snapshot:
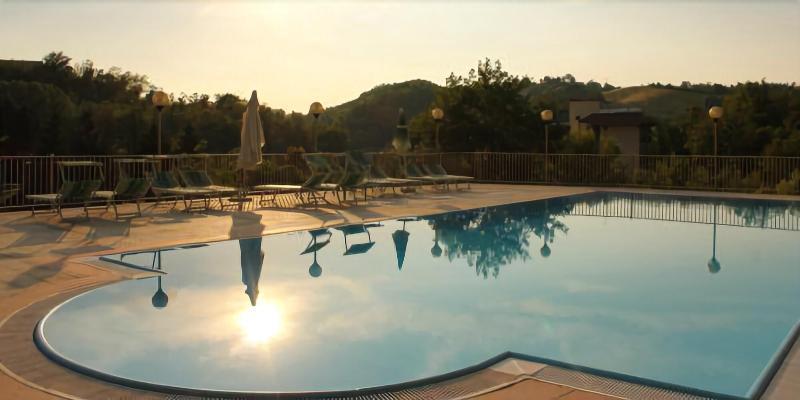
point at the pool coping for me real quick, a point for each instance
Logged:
(757, 389)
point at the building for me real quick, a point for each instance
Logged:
(623, 125)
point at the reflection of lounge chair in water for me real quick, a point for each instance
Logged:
(319, 239)
(358, 248)
(252, 259)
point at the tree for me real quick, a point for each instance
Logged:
(486, 111)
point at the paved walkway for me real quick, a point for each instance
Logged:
(40, 266)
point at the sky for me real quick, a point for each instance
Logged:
(295, 53)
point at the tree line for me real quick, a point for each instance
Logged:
(61, 107)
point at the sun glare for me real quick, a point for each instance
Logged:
(261, 323)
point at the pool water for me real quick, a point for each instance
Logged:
(688, 291)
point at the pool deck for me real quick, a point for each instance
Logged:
(41, 264)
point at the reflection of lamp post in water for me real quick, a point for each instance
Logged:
(315, 270)
(160, 298)
(545, 250)
(713, 263)
(436, 251)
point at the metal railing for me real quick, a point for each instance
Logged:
(745, 174)
(25, 175)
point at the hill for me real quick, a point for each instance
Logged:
(662, 103)
(371, 119)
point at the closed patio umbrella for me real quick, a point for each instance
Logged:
(252, 140)
(400, 141)
(252, 259)
(252, 136)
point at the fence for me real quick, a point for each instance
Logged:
(24, 175)
(745, 174)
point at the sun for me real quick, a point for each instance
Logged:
(261, 323)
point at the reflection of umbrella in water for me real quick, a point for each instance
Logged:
(315, 245)
(358, 248)
(251, 258)
(400, 238)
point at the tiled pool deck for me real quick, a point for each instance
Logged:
(41, 265)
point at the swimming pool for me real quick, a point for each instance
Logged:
(687, 291)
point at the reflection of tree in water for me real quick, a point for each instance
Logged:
(760, 213)
(492, 237)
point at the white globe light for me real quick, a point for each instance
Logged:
(316, 109)
(716, 112)
(437, 113)
(160, 99)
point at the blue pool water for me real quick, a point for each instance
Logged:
(687, 291)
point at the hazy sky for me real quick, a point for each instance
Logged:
(295, 53)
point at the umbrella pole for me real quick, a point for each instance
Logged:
(242, 184)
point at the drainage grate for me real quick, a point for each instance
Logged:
(613, 387)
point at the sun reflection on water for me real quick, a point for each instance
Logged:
(261, 323)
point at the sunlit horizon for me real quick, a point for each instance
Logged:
(297, 53)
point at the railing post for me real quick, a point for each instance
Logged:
(51, 169)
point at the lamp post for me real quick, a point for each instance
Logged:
(438, 115)
(160, 100)
(315, 109)
(547, 118)
(715, 113)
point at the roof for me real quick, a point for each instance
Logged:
(598, 98)
(615, 117)
(22, 65)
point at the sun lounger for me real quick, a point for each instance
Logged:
(412, 171)
(437, 171)
(72, 190)
(199, 179)
(376, 177)
(274, 190)
(129, 187)
(7, 190)
(166, 185)
(322, 174)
